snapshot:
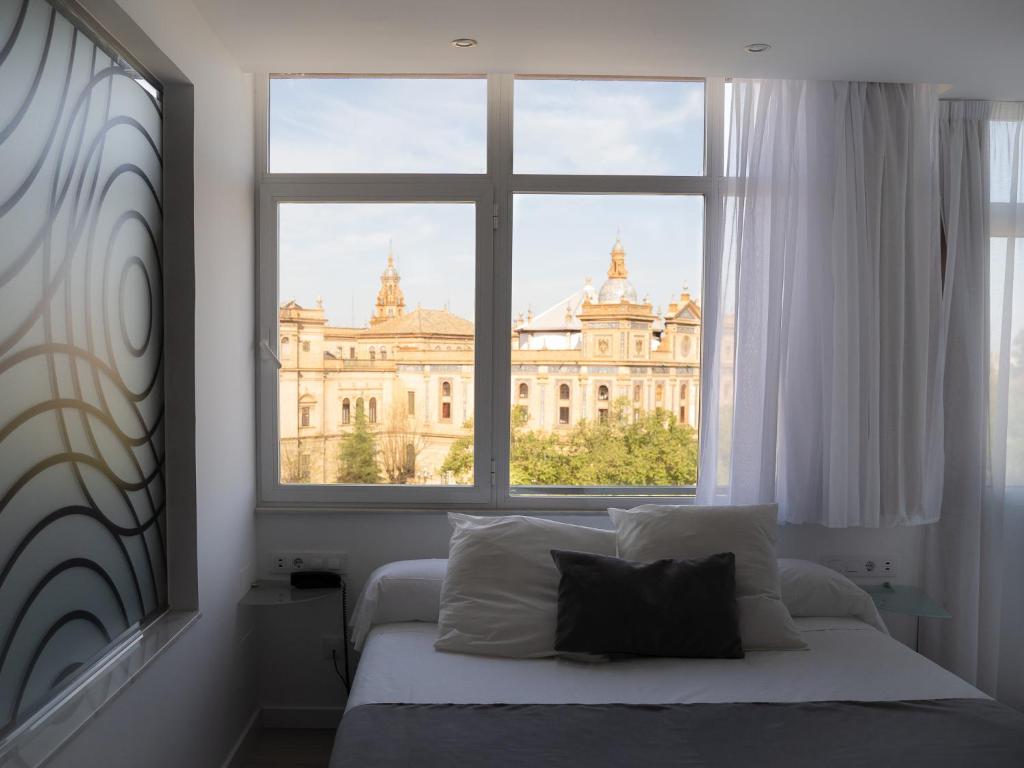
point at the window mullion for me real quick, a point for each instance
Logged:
(500, 94)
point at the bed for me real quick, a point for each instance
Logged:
(852, 696)
(856, 697)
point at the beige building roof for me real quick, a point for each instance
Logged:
(424, 321)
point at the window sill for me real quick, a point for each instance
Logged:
(534, 506)
(53, 726)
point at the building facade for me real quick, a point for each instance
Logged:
(410, 373)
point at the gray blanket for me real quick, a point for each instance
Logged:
(933, 734)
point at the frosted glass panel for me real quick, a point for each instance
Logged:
(81, 399)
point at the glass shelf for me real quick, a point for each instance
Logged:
(269, 592)
(905, 599)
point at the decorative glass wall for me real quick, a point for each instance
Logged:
(82, 524)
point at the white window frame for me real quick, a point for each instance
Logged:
(492, 192)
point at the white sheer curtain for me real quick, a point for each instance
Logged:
(823, 319)
(973, 556)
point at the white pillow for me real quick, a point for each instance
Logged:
(406, 590)
(811, 589)
(500, 597)
(653, 532)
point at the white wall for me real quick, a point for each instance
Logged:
(291, 670)
(191, 704)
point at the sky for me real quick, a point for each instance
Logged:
(337, 251)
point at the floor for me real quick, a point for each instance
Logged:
(289, 748)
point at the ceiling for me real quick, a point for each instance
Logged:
(975, 46)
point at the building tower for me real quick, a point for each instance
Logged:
(390, 301)
(617, 287)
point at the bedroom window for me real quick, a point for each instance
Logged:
(439, 235)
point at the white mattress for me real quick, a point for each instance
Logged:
(848, 660)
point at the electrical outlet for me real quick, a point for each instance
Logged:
(289, 562)
(331, 644)
(862, 566)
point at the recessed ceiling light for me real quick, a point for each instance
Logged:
(463, 42)
(757, 48)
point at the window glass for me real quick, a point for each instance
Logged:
(1002, 145)
(377, 125)
(638, 127)
(604, 287)
(354, 280)
(1006, 341)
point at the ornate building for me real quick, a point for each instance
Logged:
(411, 373)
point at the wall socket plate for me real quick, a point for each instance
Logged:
(863, 566)
(289, 562)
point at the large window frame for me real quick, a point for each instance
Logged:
(493, 193)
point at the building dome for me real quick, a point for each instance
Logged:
(617, 287)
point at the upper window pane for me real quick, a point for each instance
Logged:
(639, 127)
(378, 125)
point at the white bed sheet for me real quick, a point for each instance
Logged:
(848, 660)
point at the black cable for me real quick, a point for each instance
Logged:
(334, 660)
(344, 629)
(344, 640)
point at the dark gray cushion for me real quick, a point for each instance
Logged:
(681, 608)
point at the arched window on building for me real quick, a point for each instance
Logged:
(373, 410)
(686, 346)
(602, 392)
(346, 411)
(305, 346)
(446, 401)
(683, 391)
(638, 393)
(410, 459)
(304, 416)
(351, 353)
(524, 390)
(373, 353)
(563, 392)
(383, 354)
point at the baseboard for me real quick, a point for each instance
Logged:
(245, 738)
(301, 717)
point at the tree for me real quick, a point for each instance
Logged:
(650, 449)
(459, 460)
(399, 444)
(294, 465)
(358, 454)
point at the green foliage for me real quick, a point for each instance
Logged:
(459, 460)
(358, 453)
(648, 449)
